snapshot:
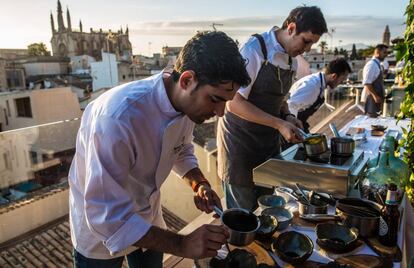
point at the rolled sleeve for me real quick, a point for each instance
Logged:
(109, 209)
(186, 160)
(129, 233)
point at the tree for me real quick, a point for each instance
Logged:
(354, 54)
(366, 52)
(38, 49)
(343, 52)
(336, 51)
(404, 51)
(324, 46)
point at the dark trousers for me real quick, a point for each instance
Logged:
(135, 259)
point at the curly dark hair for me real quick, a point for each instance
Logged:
(338, 66)
(307, 19)
(215, 59)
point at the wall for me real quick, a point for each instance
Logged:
(55, 104)
(177, 196)
(42, 68)
(15, 164)
(104, 73)
(31, 215)
(3, 80)
(48, 105)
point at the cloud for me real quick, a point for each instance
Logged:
(348, 29)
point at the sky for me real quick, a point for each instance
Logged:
(156, 23)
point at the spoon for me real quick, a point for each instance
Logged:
(303, 194)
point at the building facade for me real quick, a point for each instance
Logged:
(27, 108)
(67, 41)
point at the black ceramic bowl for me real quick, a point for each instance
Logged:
(284, 216)
(268, 226)
(271, 201)
(378, 127)
(336, 238)
(241, 258)
(293, 247)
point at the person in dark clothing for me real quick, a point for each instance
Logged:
(307, 94)
(373, 81)
(250, 130)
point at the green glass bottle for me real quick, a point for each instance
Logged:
(377, 178)
(397, 164)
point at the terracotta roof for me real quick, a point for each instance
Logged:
(50, 245)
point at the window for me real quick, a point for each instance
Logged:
(23, 107)
(14, 78)
(5, 117)
(8, 108)
(7, 163)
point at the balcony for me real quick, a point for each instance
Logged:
(34, 164)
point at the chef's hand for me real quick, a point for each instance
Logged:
(290, 132)
(206, 198)
(204, 241)
(294, 121)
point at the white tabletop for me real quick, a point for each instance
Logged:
(319, 255)
(372, 143)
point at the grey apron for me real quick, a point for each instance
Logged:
(372, 108)
(243, 145)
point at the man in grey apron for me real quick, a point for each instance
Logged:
(307, 94)
(249, 132)
(373, 82)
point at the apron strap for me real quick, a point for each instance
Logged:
(321, 89)
(262, 45)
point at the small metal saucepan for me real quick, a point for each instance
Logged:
(342, 146)
(310, 205)
(315, 207)
(242, 225)
(315, 144)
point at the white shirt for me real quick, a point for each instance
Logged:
(252, 52)
(129, 140)
(370, 72)
(305, 92)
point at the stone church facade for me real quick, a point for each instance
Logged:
(67, 42)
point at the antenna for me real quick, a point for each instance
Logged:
(216, 24)
(331, 33)
(149, 48)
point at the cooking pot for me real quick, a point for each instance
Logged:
(241, 224)
(342, 146)
(315, 207)
(361, 214)
(315, 144)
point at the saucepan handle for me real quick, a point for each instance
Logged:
(218, 211)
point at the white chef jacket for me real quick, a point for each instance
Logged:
(252, 52)
(129, 140)
(305, 92)
(369, 74)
